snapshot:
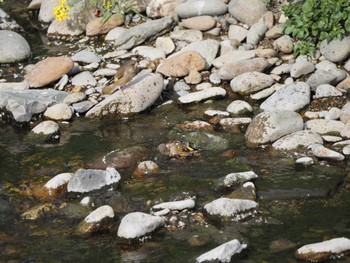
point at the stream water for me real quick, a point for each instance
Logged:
(298, 205)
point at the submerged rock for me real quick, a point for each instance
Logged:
(325, 250)
(175, 205)
(222, 253)
(137, 224)
(207, 141)
(146, 168)
(98, 220)
(234, 179)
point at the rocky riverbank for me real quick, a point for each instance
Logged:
(184, 54)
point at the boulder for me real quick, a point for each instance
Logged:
(270, 126)
(247, 11)
(13, 47)
(250, 82)
(336, 50)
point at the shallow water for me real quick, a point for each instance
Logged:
(297, 205)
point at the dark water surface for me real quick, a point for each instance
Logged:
(298, 205)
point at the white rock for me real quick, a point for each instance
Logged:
(322, 152)
(105, 72)
(222, 253)
(345, 131)
(330, 138)
(305, 161)
(229, 122)
(324, 250)
(99, 214)
(74, 98)
(326, 90)
(58, 181)
(311, 115)
(324, 126)
(59, 111)
(137, 224)
(202, 95)
(301, 68)
(250, 82)
(187, 35)
(235, 208)
(86, 201)
(333, 114)
(166, 44)
(256, 33)
(234, 179)
(149, 52)
(296, 140)
(176, 205)
(212, 113)
(282, 69)
(46, 128)
(239, 107)
(326, 65)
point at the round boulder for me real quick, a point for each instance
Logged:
(13, 47)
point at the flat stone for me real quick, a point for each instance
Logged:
(13, 47)
(200, 8)
(282, 69)
(250, 82)
(74, 98)
(105, 72)
(322, 126)
(181, 64)
(322, 152)
(137, 224)
(247, 11)
(202, 23)
(86, 180)
(14, 85)
(237, 32)
(327, 90)
(291, 97)
(222, 253)
(150, 53)
(270, 126)
(176, 205)
(297, 141)
(234, 122)
(202, 95)
(83, 106)
(266, 92)
(86, 56)
(336, 50)
(98, 220)
(232, 70)
(48, 71)
(305, 161)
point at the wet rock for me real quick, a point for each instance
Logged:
(324, 126)
(222, 253)
(256, 33)
(237, 32)
(187, 35)
(139, 94)
(207, 141)
(202, 23)
(239, 107)
(98, 26)
(181, 64)
(84, 78)
(166, 44)
(234, 123)
(195, 125)
(57, 185)
(322, 152)
(291, 97)
(297, 140)
(250, 82)
(98, 220)
(24, 104)
(48, 71)
(326, 90)
(336, 50)
(301, 68)
(46, 128)
(305, 161)
(13, 47)
(175, 205)
(124, 158)
(137, 224)
(270, 126)
(281, 245)
(325, 250)
(177, 149)
(86, 56)
(284, 44)
(201, 7)
(60, 111)
(232, 70)
(233, 56)
(202, 95)
(247, 191)
(74, 98)
(38, 211)
(86, 180)
(235, 179)
(320, 77)
(138, 34)
(162, 8)
(83, 106)
(248, 12)
(146, 168)
(46, 13)
(236, 209)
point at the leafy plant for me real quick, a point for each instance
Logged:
(312, 21)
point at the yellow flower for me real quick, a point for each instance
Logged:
(61, 11)
(107, 4)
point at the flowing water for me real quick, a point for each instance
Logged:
(298, 205)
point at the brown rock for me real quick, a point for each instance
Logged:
(181, 65)
(49, 70)
(98, 27)
(194, 77)
(202, 23)
(344, 85)
(145, 169)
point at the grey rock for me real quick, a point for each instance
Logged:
(86, 180)
(83, 106)
(305, 161)
(202, 23)
(320, 77)
(301, 68)
(297, 140)
(137, 224)
(336, 50)
(140, 33)
(84, 78)
(59, 111)
(237, 32)
(325, 65)
(74, 98)
(322, 126)
(270, 126)
(333, 114)
(235, 179)
(187, 35)
(46, 128)
(105, 72)
(232, 70)
(247, 11)
(256, 33)
(239, 107)
(282, 69)
(266, 92)
(284, 44)
(339, 73)
(46, 13)
(150, 53)
(139, 94)
(275, 32)
(215, 78)
(13, 47)
(345, 132)
(24, 104)
(202, 95)
(291, 97)
(207, 141)
(326, 90)
(181, 88)
(322, 152)
(115, 33)
(345, 113)
(250, 82)
(232, 57)
(86, 56)
(201, 7)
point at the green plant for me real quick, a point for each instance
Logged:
(312, 21)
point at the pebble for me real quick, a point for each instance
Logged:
(166, 44)
(84, 78)
(237, 32)
(284, 44)
(305, 161)
(202, 23)
(212, 113)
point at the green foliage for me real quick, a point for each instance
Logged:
(312, 21)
